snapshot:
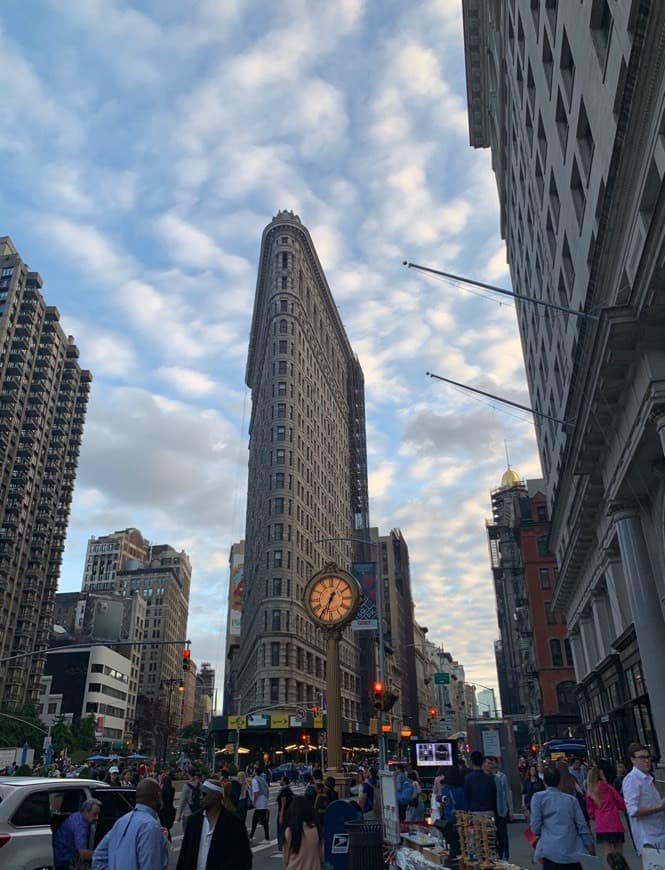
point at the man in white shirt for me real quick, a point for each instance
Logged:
(645, 807)
(260, 793)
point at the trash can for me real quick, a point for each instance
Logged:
(365, 845)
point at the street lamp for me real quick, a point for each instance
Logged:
(171, 685)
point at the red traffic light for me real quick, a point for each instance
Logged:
(304, 738)
(186, 659)
(377, 687)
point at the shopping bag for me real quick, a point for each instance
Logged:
(653, 859)
(530, 837)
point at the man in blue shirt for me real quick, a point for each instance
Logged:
(557, 820)
(479, 787)
(70, 841)
(136, 841)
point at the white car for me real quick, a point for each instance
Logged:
(32, 808)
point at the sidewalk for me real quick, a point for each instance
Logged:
(521, 852)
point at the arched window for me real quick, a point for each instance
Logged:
(283, 326)
(565, 696)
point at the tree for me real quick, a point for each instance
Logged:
(61, 735)
(14, 732)
(83, 733)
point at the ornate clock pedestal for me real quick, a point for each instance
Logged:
(332, 598)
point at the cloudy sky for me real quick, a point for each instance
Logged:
(145, 144)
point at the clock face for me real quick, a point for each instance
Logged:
(331, 599)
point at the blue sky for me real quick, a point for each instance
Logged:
(145, 145)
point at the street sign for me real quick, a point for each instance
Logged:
(301, 713)
(442, 679)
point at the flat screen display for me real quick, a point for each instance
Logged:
(439, 754)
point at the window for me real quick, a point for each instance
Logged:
(550, 617)
(274, 690)
(274, 654)
(279, 480)
(279, 457)
(543, 545)
(283, 306)
(567, 67)
(281, 410)
(568, 652)
(284, 283)
(52, 708)
(577, 192)
(561, 119)
(555, 652)
(277, 559)
(300, 658)
(548, 61)
(281, 433)
(281, 367)
(279, 505)
(565, 696)
(281, 388)
(545, 578)
(277, 586)
(276, 621)
(285, 260)
(283, 326)
(278, 532)
(34, 810)
(283, 346)
(600, 24)
(585, 143)
(555, 202)
(541, 513)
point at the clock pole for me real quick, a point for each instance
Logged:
(333, 690)
(332, 599)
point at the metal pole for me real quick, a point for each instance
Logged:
(383, 740)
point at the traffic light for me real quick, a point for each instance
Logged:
(315, 710)
(186, 659)
(433, 712)
(181, 686)
(389, 699)
(377, 694)
(304, 738)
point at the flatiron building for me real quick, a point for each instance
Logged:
(307, 486)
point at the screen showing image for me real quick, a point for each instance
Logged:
(434, 755)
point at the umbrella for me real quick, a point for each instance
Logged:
(97, 758)
(136, 755)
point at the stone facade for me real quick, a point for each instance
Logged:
(570, 97)
(307, 488)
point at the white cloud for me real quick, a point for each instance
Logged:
(186, 381)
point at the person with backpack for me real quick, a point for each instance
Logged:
(367, 792)
(404, 796)
(284, 798)
(260, 794)
(190, 799)
(311, 791)
(415, 811)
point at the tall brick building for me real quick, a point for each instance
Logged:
(534, 660)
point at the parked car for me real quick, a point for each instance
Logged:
(32, 808)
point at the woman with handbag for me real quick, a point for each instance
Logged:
(245, 799)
